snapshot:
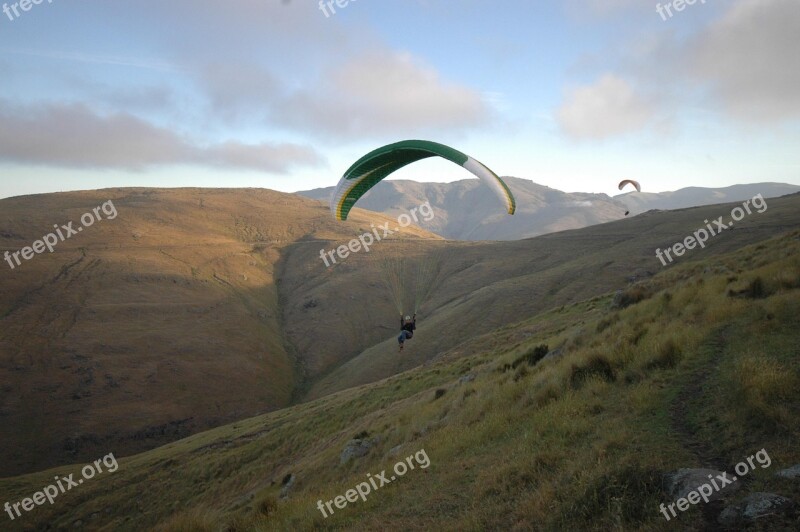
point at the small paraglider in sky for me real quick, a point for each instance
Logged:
(626, 182)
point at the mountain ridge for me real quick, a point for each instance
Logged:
(463, 211)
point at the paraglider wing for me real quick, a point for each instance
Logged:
(376, 165)
(626, 182)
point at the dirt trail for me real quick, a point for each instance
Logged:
(691, 398)
(692, 395)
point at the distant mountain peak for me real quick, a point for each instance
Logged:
(465, 212)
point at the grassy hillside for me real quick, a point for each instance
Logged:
(696, 366)
(150, 326)
(487, 285)
(192, 308)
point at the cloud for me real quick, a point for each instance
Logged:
(240, 91)
(72, 136)
(98, 59)
(274, 158)
(604, 109)
(145, 98)
(749, 60)
(741, 65)
(383, 93)
(606, 6)
(269, 67)
(373, 94)
(593, 10)
(294, 34)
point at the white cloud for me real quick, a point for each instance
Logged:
(273, 158)
(749, 59)
(382, 93)
(742, 65)
(72, 136)
(377, 93)
(604, 109)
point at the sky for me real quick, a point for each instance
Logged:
(286, 94)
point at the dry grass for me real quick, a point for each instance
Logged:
(191, 521)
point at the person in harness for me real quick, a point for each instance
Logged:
(407, 327)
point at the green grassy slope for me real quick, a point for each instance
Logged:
(700, 369)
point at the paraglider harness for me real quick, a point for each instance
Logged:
(406, 329)
(408, 326)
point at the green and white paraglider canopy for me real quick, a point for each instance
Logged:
(378, 164)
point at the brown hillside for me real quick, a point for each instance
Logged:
(154, 325)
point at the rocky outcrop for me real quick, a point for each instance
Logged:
(754, 507)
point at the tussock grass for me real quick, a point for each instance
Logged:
(632, 295)
(763, 386)
(597, 366)
(532, 356)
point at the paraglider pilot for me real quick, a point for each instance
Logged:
(407, 327)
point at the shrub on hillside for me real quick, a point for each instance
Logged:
(546, 394)
(667, 356)
(754, 290)
(605, 323)
(596, 366)
(532, 356)
(521, 373)
(757, 288)
(631, 296)
(267, 506)
(626, 495)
